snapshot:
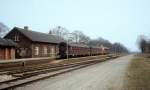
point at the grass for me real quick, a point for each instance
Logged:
(138, 74)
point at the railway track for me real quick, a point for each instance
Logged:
(14, 70)
(10, 85)
(28, 76)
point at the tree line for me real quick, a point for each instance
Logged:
(79, 37)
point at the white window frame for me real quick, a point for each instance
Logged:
(16, 37)
(36, 50)
(45, 50)
(52, 51)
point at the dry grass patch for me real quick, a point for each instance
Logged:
(138, 74)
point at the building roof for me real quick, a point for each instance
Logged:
(7, 42)
(40, 37)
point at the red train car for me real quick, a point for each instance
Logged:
(76, 50)
(104, 50)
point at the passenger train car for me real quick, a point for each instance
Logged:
(77, 50)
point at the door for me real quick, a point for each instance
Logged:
(9, 53)
(2, 54)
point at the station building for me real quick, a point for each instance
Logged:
(32, 44)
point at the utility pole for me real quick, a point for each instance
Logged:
(68, 45)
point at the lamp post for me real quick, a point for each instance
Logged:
(115, 50)
(68, 44)
(67, 48)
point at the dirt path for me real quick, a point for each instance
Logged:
(107, 75)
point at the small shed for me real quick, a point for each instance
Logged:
(7, 49)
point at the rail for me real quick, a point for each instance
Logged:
(23, 77)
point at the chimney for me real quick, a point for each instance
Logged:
(26, 28)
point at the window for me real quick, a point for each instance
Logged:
(23, 52)
(16, 37)
(45, 50)
(36, 50)
(52, 51)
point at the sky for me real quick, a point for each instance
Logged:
(116, 20)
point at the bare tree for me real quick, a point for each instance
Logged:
(143, 43)
(80, 37)
(59, 31)
(76, 35)
(3, 30)
(118, 48)
(100, 41)
(113, 48)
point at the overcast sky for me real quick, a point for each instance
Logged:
(115, 20)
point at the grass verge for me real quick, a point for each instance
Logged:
(138, 74)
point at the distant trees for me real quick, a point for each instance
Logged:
(3, 29)
(100, 41)
(74, 37)
(113, 48)
(143, 44)
(118, 48)
(79, 37)
(59, 31)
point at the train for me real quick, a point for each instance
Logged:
(78, 50)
